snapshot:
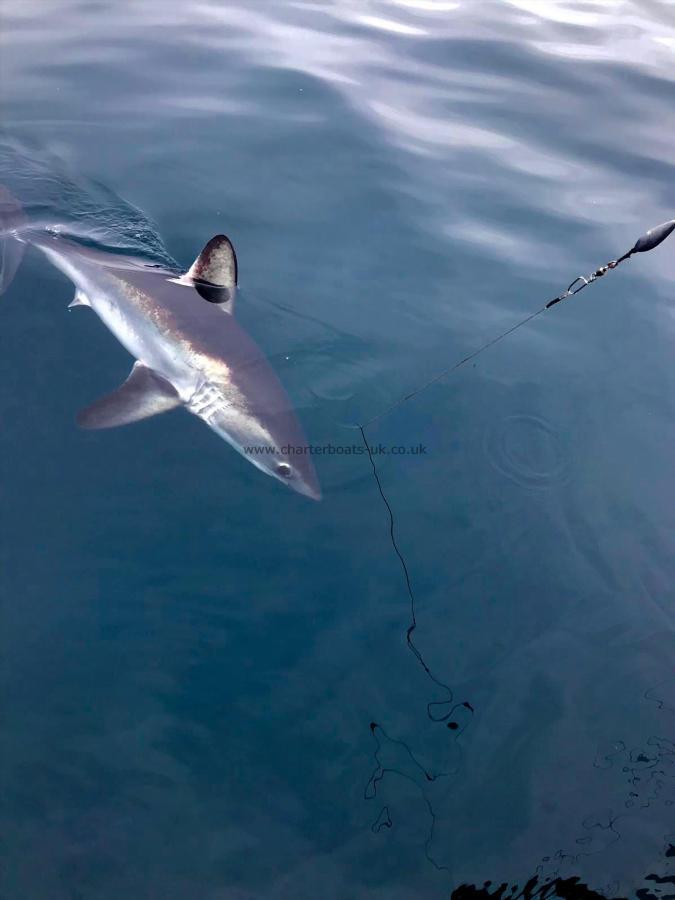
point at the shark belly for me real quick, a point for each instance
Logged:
(145, 342)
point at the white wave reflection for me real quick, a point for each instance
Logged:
(409, 88)
(426, 130)
(564, 12)
(483, 97)
(435, 6)
(504, 243)
(464, 97)
(391, 25)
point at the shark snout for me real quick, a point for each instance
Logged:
(310, 488)
(281, 452)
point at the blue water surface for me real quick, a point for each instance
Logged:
(206, 686)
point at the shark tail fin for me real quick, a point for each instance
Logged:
(12, 219)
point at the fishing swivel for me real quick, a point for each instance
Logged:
(647, 242)
(581, 282)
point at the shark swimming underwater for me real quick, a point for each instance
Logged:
(189, 350)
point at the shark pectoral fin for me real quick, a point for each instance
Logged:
(80, 299)
(143, 394)
(214, 272)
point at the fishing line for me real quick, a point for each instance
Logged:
(384, 819)
(408, 583)
(648, 241)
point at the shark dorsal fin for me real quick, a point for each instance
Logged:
(143, 394)
(216, 264)
(214, 272)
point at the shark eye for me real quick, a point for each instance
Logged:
(284, 470)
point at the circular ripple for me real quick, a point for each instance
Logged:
(332, 391)
(528, 450)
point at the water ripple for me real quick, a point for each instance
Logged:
(528, 450)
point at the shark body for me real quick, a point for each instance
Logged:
(188, 349)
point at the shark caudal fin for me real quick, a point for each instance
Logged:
(12, 219)
(214, 272)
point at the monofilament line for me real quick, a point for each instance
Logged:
(648, 241)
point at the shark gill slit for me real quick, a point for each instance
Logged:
(205, 401)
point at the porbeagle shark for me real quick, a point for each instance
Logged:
(188, 348)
